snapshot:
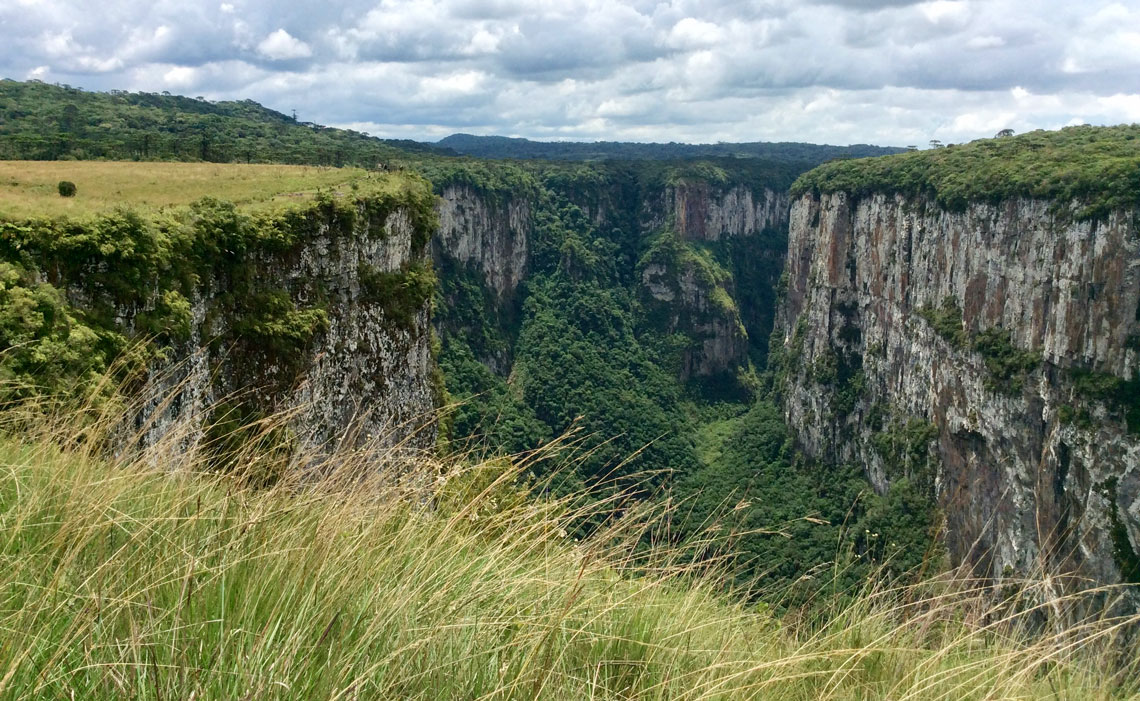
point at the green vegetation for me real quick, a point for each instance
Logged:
(139, 268)
(1119, 394)
(28, 189)
(946, 321)
(403, 293)
(140, 578)
(1097, 167)
(52, 122)
(506, 147)
(66, 188)
(1006, 364)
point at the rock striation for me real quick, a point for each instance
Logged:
(489, 232)
(1011, 330)
(367, 375)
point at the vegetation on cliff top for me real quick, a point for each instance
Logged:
(136, 269)
(29, 189)
(1099, 167)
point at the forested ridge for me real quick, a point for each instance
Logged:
(39, 121)
(789, 152)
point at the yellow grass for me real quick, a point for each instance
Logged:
(29, 188)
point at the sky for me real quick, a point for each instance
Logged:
(889, 72)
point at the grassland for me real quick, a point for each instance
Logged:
(147, 578)
(29, 188)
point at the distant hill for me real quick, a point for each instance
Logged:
(506, 147)
(39, 121)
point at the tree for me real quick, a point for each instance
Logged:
(1004, 133)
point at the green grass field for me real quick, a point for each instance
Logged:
(151, 579)
(29, 188)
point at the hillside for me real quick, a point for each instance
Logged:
(786, 152)
(51, 122)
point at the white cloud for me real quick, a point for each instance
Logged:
(838, 71)
(180, 77)
(692, 33)
(988, 41)
(281, 46)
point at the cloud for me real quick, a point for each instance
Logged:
(840, 71)
(282, 46)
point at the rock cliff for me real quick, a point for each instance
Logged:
(486, 231)
(1005, 338)
(364, 374)
(684, 289)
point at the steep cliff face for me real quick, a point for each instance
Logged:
(1001, 338)
(486, 231)
(685, 290)
(365, 374)
(703, 212)
(691, 292)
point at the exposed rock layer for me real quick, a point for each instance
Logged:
(365, 377)
(1023, 486)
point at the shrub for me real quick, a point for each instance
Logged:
(66, 188)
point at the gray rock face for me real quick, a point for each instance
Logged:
(493, 236)
(702, 309)
(1023, 486)
(700, 211)
(367, 377)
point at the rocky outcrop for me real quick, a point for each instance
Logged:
(703, 212)
(681, 295)
(689, 291)
(1011, 329)
(488, 232)
(365, 376)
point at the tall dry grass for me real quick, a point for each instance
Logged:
(139, 572)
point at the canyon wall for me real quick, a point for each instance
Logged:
(1005, 340)
(490, 233)
(365, 373)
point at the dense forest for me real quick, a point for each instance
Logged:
(39, 121)
(790, 152)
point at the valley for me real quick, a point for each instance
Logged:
(824, 371)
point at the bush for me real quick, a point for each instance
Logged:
(66, 188)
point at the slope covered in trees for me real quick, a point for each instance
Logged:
(51, 122)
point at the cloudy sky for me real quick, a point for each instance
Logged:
(890, 72)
